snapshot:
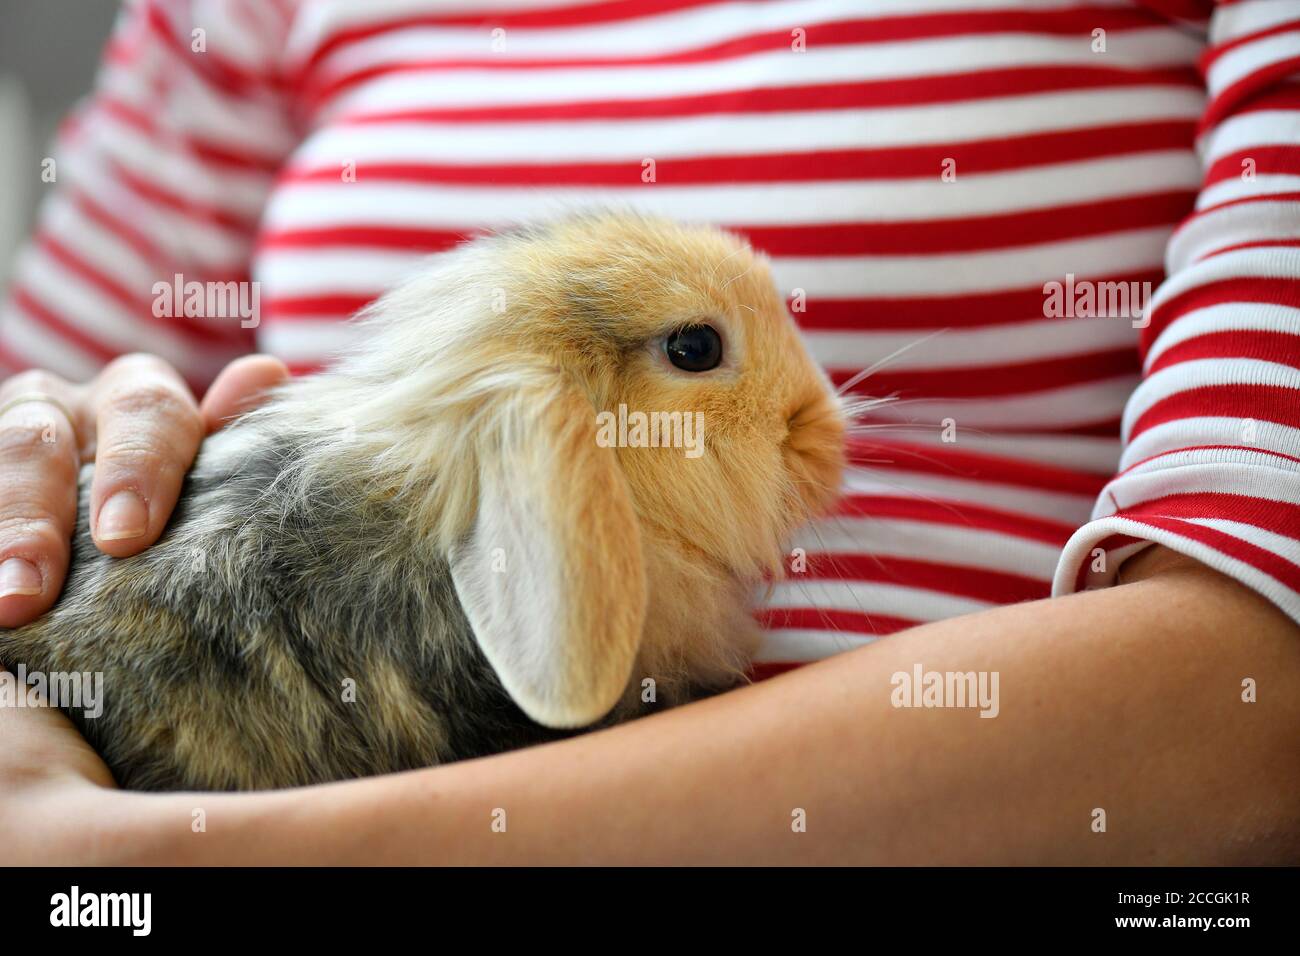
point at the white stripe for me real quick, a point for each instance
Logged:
(892, 600)
(972, 272)
(820, 64)
(1080, 546)
(1269, 541)
(793, 644)
(1242, 61)
(183, 238)
(701, 26)
(1239, 264)
(955, 543)
(44, 348)
(1233, 225)
(1186, 432)
(1062, 506)
(969, 348)
(1254, 479)
(167, 165)
(1086, 453)
(359, 271)
(301, 205)
(196, 108)
(1226, 317)
(1226, 458)
(1200, 373)
(305, 341)
(880, 128)
(1247, 130)
(1073, 405)
(1230, 21)
(1262, 186)
(100, 248)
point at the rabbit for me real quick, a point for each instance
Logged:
(424, 553)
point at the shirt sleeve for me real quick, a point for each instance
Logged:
(1211, 463)
(160, 176)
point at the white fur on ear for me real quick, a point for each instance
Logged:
(551, 577)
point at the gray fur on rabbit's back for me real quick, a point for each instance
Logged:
(270, 639)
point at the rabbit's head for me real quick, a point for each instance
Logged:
(570, 407)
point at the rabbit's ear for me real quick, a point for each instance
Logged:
(551, 576)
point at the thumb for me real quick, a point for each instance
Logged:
(241, 386)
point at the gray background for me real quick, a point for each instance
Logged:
(48, 53)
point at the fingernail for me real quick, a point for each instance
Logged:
(123, 516)
(19, 577)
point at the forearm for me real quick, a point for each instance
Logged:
(1127, 699)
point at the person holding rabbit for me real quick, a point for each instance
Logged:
(1101, 507)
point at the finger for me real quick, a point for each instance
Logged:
(241, 386)
(39, 461)
(149, 429)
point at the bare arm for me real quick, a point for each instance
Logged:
(1127, 699)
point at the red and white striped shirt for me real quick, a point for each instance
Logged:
(920, 172)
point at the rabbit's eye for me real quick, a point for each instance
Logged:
(694, 348)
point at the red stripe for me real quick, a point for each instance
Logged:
(1213, 53)
(1275, 159)
(1282, 348)
(973, 466)
(1263, 289)
(138, 306)
(981, 584)
(831, 619)
(1244, 201)
(1195, 11)
(1270, 514)
(1175, 451)
(196, 147)
(1261, 244)
(911, 162)
(12, 362)
(1285, 95)
(366, 236)
(957, 514)
(928, 313)
(60, 326)
(1223, 105)
(1104, 428)
(1110, 543)
(766, 670)
(989, 381)
(829, 239)
(1069, 21)
(340, 305)
(816, 35)
(1269, 403)
(947, 88)
(850, 239)
(141, 244)
(1274, 565)
(854, 315)
(190, 208)
(218, 71)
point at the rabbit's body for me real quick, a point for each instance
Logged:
(427, 553)
(271, 639)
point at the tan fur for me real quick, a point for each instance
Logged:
(773, 427)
